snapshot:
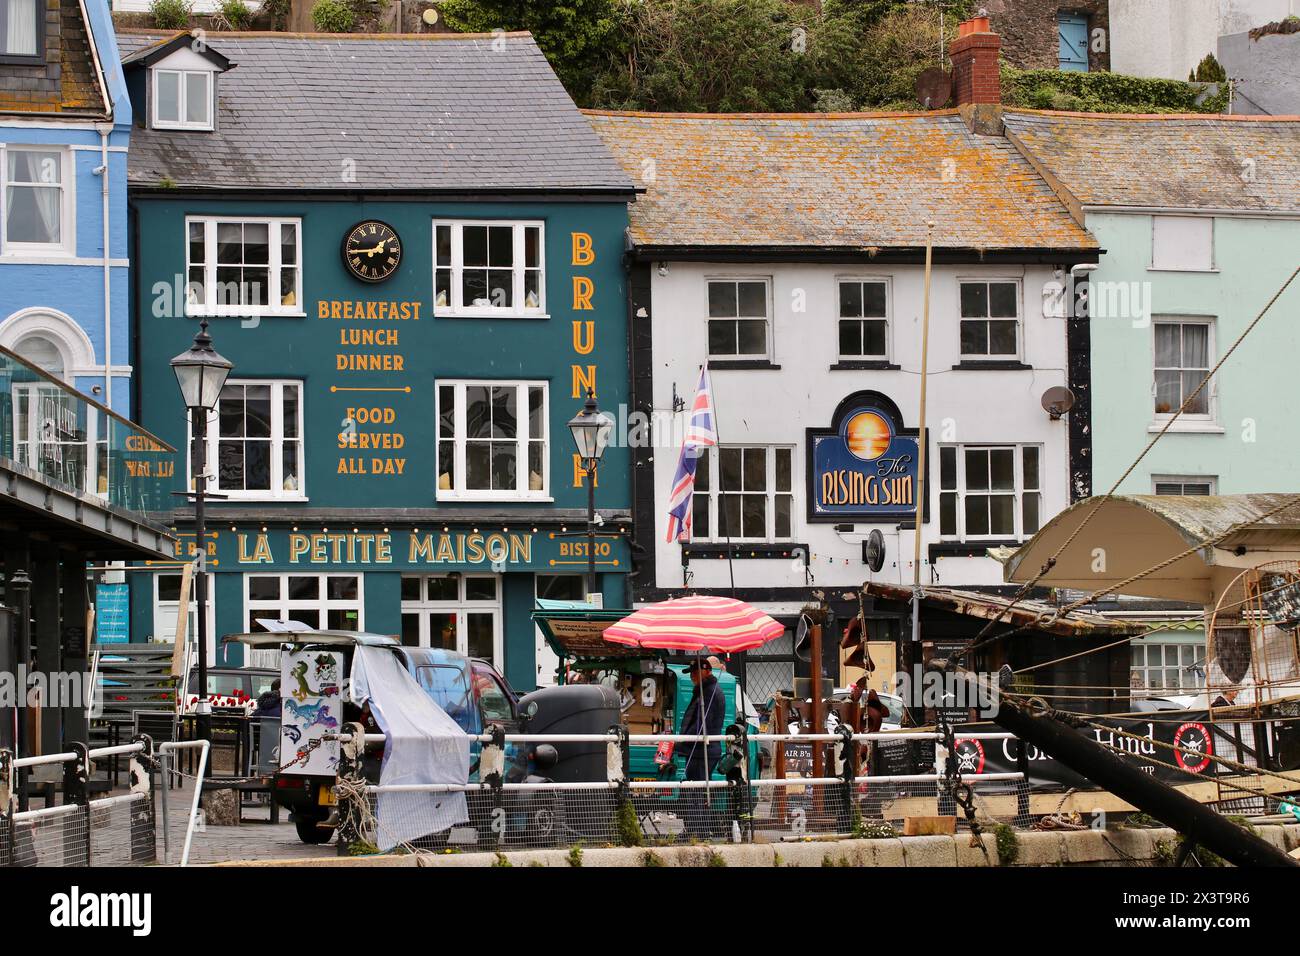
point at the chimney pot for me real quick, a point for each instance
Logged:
(974, 54)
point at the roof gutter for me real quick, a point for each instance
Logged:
(1033, 255)
(1220, 211)
(483, 194)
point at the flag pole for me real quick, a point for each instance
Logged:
(921, 490)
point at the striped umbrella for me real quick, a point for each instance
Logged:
(696, 624)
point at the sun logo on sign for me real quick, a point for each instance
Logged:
(868, 435)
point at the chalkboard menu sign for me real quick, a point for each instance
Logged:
(901, 759)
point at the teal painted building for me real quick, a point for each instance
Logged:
(1199, 218)
(413, 257)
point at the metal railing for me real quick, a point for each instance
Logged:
(71, 440)
(737, 803)
(80, 831)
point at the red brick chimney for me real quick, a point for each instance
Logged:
(975, 77)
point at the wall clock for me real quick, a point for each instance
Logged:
(372, 251)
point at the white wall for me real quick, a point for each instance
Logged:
(1162, 38)
(776, 406)
(1167, 38)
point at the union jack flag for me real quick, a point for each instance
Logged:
(701, 432)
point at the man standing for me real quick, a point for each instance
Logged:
(704, 715)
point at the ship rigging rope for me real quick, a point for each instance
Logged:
(976, 642)
(982, 638)
(1173, 766)
(1171, 625)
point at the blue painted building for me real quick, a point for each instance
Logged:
(65, 122)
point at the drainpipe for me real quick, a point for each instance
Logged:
(102, 172)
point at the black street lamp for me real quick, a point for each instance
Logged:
(201, 373)
(591, 429)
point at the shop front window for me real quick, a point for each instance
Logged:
(455, 612)
(320, 601)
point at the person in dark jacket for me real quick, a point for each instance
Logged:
(705, 714)
(268, 704)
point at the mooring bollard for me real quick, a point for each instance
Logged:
(8, 807)
(139, 772)
(491, 771)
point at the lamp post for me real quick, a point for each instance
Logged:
(201, 373)
(591, 429)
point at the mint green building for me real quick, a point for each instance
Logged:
(1199, 220)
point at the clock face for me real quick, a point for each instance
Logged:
(372, 251)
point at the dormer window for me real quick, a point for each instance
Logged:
(20, 28)
(181, 81)
(182, 99)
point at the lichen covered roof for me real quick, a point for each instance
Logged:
(1250, 163)
(858, 181)
(353, 112)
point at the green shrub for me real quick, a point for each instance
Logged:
(333, 16)
(236, 13)
(1209, 70)
(629, 827)
(716, 859)
(1008, 844)
(651, 858)
(170, 14)
(575, 856)
(502, 860)
(1106, 92)
(278, 11)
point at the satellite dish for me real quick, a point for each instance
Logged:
(430, 16)
(933, 88)
(873, 550)
(1057, 400)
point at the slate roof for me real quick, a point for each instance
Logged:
(1168, 161)
(428, 112)
(834, 181)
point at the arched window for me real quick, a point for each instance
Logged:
(51, 341)
(41, 351)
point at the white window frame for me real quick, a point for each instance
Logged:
(962, 491)
(458, 309)
(1188, 681)
(1211, 415)
(1211, 481)
(67, 244)
(284, 606)
(276, 491)
(165, 614)
(37, 57)
(458, 491)
(888, 318)
(462, 607)
(1019, 352)
(545, 660)
(714, 493)
(1210, 267)
(184, 78)
(768, 319)
(209, 306)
